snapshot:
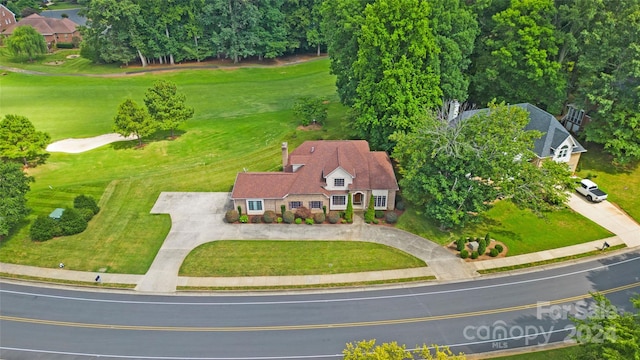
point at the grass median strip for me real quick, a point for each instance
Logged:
(278, 258)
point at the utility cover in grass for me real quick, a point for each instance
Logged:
(56, 214)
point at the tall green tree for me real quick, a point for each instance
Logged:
(454, 171)
(14, 186)
(608, 73)
(133, 119)
(609, 333)
(518, 60)
(26, 41)
(396, 69)
(167, 106)
(455, 28)
(20, 141)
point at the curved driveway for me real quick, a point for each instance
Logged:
(197, 218)
(484, 315)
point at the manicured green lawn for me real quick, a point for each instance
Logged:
(621, 183)
(241, 118)
(264, 258)
(521, 230)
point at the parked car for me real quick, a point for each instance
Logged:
(590, 190)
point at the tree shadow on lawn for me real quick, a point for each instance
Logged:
(597, 159)
(155, 137)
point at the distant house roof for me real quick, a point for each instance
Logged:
(45, 26)
(313, 161)
(73, 14)
(553, 133)
(56, 214)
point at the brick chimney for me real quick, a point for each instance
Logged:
(285, 155)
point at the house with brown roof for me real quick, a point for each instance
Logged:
(54, 30)
(320, 173)
(7, 18)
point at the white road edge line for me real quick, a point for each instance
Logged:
(321, 300)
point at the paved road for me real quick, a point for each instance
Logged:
(62, 324)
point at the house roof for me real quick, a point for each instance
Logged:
(45, 26)
(369, 169)
(553, 133)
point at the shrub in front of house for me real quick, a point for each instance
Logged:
(400, 205)
(464, 253)
(71, 222)
(379, 214)
(283, 208)
(370, 214)
(303, 213)
(474, 255)
(319, 218)
(255, 219)
(391, 217)
(279, 220)
(494, 252)
(231, 216)
(298, 221)
(324, 210)
(44, 228)
(499, 248)
(334, 217)
(376, 221)
(244, 219)
(86, 202)
(309, 221)
(288, 217)
(269, 216)
(239, 210)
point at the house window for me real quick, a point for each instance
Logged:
(380, 201)
(338, 182)
(563, 152)
(339, 200)
(315, 204)
(255, 206)
(295, 204)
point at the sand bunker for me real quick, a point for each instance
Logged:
(75, 146)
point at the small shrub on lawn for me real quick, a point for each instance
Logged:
(309, 221)
(71, 222)
(87, 214)
(464, 253)
(391, 217)
(86, 202)
(460, 243)
(279, 220)
(303, 212)
(494, 252)
(319, 218)
(298, 221)
(379, 214)
(255, 219)
(288, 217)
(400, 205)
(231, 216)
(44, 228)
(499, 248)
(474, 255)
(482, 248)
(244, 219)
(334, 217)
(269, 216)
(283, 208)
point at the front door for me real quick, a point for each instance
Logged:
(357, 199)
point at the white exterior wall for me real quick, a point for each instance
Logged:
(338, 173)
(569, 144)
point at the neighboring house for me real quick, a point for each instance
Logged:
(7, 18)
(320, 173)
(556, 142)
(54, 30)
(575, 119)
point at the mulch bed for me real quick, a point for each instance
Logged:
(452, 248)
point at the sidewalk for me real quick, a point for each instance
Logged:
(192, 216)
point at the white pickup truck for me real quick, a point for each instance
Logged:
(590, 190)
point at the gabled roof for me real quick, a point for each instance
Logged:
(369, 169)
(45, 26)
(553, 133)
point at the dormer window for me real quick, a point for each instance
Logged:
(563, 152)
(338, 182)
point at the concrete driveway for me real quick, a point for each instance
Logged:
(609, 217)
(197, 218)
